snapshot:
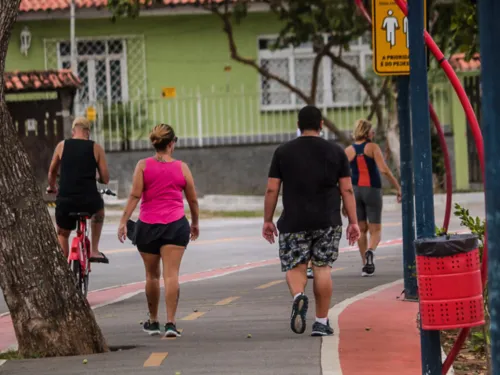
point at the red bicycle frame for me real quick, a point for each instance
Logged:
(80, 247)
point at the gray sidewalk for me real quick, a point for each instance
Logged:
(235, 203)
(218, 342)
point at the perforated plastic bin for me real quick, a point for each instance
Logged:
(449, 282)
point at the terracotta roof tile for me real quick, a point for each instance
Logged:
(459, 63)
(45, 5)
(45, 80)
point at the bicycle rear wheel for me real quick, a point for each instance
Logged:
(82, 281)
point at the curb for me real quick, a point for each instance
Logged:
(232, 203)
(330, 364)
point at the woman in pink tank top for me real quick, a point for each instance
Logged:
(162, 232)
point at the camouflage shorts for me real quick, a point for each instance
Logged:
(321, 246)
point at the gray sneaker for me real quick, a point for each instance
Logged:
(320, 329)
(299, 313)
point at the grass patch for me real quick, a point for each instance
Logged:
(472, 359)
(230, 214)
(10, 355)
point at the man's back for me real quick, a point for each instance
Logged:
(310, 168)
(78, 169)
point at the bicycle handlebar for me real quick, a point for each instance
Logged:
(107, 192)
(102, 191)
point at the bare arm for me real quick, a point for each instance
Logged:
(383, 168)
(271, 198)
(54, 166)
(135, 193)
(190, 192)
(102, 166)
(349, 202)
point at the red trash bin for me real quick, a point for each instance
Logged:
(449, 282)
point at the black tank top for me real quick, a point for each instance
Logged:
(78, 170)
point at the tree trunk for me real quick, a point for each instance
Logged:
(50, 316)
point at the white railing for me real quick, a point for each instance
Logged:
(217, 119)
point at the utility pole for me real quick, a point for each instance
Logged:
(489, 32)
(422, 162)
(74, 67)
(407, 206)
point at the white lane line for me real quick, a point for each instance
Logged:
(330, 356)
(2, 361)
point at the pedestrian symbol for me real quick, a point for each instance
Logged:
(390, 36)
(390, 25)
(405, 30)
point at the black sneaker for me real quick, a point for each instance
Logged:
(320, 329)
(151, 328)
(299, 313)
(369, 268)
(171, 330)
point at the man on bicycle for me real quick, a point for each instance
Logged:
(79, 158)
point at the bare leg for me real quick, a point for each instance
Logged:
(323, 287)
(363, 240)
(63, 237)
(153, 273)
(171, 256)
(297, 279)
(375, 235)
(96, 226)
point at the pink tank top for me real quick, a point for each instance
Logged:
(162, 201)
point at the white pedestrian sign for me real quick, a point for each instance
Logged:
(390, 26)
(405, 30)
(391, 39)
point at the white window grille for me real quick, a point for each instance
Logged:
(335, 86)
(111, 69)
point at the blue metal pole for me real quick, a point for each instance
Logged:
(422, 162)
(489, 31)
(407, 206)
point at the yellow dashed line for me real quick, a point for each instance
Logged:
(155, 359)
(194, 315)
(226, 301)
(270, 284)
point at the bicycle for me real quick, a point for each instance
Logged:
(79, 252)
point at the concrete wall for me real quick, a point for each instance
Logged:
(239, 170)
(218, 170)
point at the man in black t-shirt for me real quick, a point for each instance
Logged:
(315, 175)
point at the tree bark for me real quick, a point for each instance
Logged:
(50, 315)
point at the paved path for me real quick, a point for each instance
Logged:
(217, 314)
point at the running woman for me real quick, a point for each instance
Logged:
(162, 232)
(367, 163)
(315, 174)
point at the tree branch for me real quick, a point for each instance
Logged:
(361, 80)
(228, 29)
(379, 97)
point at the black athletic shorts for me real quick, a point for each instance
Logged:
(149, 238)
(66, 206)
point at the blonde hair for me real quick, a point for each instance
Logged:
(362, 130)
(82, 123)
(161, 136)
